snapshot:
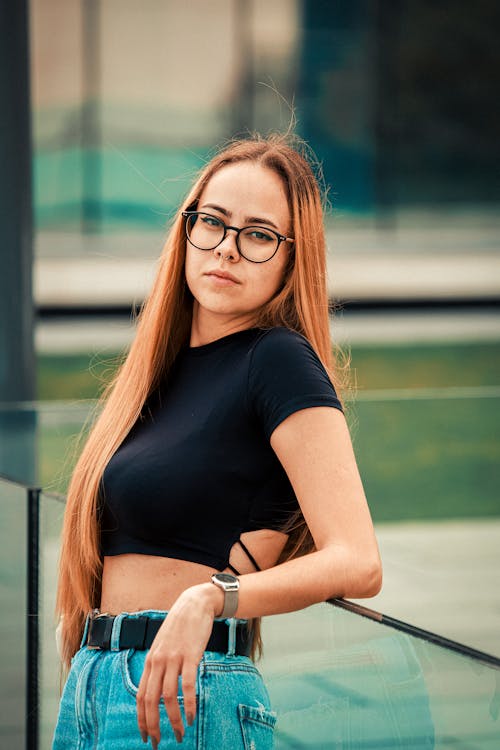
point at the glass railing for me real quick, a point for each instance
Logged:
(336, 678)
(428, 458)
(19, 442)
(339, 676)
(38, 441)
(13, 620)
(429, 452)
(423, 454)
(340, 680)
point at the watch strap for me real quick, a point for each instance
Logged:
(230, 590)
(230, 604)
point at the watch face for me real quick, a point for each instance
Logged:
(225, 577)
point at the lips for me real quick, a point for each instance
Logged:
(224, 276)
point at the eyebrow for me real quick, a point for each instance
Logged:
(249, 219)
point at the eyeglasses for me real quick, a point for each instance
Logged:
(255, 243)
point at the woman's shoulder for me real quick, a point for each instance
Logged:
(285, 355)
(280, 336)
(280, 344)
(286, 375)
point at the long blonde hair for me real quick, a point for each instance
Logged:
(163, 327)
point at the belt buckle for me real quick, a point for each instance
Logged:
(95, 614)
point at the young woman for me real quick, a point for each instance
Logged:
(220, 458)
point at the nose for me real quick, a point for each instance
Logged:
(228, 249)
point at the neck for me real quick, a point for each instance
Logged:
(210, 327)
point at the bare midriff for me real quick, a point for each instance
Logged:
(133, 582)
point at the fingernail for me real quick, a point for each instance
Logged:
(144, 736)
(178, 735)
(190, 719)
(154, 743)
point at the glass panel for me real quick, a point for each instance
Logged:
(335, 679)
(18, 442)
(59, 429)
(38, 441)
(436, 455)
(433, 468)
(13, 595)
(51, 516)
(338, 680)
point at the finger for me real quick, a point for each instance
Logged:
(152, 696)
(141, 705)
(189, 672)
(170, 694)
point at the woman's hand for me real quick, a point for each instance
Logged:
(177, 651)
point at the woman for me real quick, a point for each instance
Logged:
(222, 447)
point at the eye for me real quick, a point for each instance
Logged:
(210, 221)
(260, 235)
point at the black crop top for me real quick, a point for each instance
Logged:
(197, 469)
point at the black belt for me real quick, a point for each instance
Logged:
(139, 632)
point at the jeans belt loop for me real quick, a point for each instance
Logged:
(231, 636)
(114, 644)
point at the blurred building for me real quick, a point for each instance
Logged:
(398, 100)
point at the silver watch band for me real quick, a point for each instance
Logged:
(230, 604)
(229, 585)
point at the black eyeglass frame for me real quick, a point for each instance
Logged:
(280, 237)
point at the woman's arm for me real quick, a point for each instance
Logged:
(315, 449)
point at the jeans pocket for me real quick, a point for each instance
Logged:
(132, 667)
(257, 727)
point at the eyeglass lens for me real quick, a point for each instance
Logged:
(254, 243)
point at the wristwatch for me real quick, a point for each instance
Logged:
(230, 585)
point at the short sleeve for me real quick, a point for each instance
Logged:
(286, 375)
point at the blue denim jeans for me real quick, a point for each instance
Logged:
(98, 704)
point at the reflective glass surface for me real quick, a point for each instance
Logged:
(431, 479)
(60, 430)
(18, 442)
(435, 455)
(13, 595)
(334, 677)
(338, 680)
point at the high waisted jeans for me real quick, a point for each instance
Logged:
(98, 705)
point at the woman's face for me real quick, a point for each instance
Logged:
(240, 195)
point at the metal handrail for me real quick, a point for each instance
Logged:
(416, 632)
